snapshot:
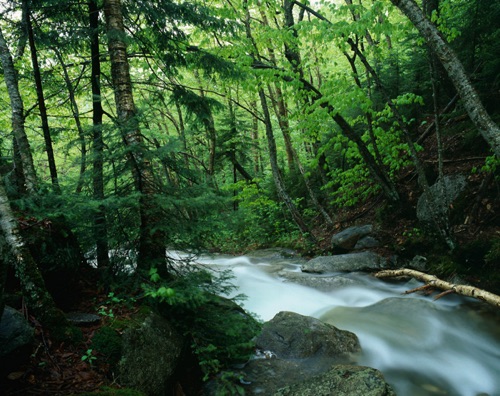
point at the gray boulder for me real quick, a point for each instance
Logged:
(16, 340)
(150, 355)
(347, 239)
(293, 336)
(362, 261)
(292, 348)
(441, 199)
(367, 242)
(341, 380)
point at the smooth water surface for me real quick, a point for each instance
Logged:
(423, 347)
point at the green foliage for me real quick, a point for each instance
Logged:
(89, 357)
(220, 331)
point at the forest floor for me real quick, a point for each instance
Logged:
(67, 368)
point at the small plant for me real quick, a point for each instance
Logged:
(105, 311)
(414, 232)
(89, 357)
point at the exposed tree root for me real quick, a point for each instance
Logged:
(432, 281)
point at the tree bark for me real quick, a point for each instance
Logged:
(76, 116)
(16, 103)
(41, 99)
(100, 227)
(278, 180)
(152, 240)
(456, 72)
(433, 281)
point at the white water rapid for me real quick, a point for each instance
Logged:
(423, 347)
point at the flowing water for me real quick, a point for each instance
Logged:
(423, 347)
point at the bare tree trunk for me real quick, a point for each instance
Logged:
(41, 99)
(76, 117)
(152, 240)
(456, 72)
(254, 135)
(278, 180)
(100, 227)
(295, 160)
(16, 102)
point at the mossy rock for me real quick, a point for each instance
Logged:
(108, 342)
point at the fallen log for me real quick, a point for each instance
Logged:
(434, 281)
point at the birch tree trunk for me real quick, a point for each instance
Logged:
(16, 103)
(456, 72)
(432, 281)
(26, 270)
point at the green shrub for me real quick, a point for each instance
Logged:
(220, 331)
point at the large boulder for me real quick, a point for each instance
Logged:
(291, 348)
(443, 195)
(341, 380)
(293, 336)
(16, 340)
(356, 237)
(362, 261)
(150, 355)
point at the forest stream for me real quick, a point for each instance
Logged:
(450, 346)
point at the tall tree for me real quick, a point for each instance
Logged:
(16, 103)
(100, 222)
(41, 97)
(152, 240)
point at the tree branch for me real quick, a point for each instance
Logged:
(433, 281)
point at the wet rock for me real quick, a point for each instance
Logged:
(290, 335)
(362, 261)
(16, 340)
(292, 348)
(341, 380)
(368, 242)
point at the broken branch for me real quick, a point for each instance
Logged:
(433, 281)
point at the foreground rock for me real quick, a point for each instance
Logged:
(341, 380)
(292, 336)
(150, 356)
(363, 261)
(300, 355)
(16, 340)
